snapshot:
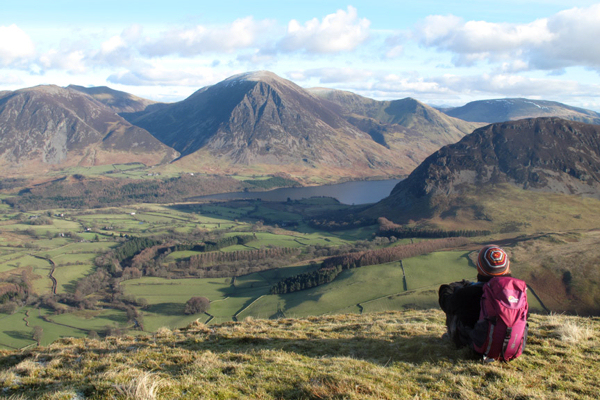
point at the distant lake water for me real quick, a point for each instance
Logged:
(361, 192)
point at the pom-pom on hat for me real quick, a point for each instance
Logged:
(493, 261)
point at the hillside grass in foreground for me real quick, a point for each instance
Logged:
(393, 355)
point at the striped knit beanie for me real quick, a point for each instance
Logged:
(493, 261)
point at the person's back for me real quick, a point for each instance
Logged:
(461, 301)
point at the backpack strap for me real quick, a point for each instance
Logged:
(506, 341)
(490, 336)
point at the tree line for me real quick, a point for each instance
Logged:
(233, 263)
(388, 229)
(331, 267)
(406, 232)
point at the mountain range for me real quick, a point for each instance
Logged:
(255, 122)
(259, 120)
(499, 110)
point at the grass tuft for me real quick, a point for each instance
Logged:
(570, 330)
(145, 386)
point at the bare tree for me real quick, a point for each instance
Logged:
(197, 305)
(38, 334)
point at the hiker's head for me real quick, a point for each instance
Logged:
(492, 261)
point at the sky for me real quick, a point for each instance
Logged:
(444, 53)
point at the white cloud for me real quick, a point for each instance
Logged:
(566, 39)
(395, 45)
(15, 46)
(118, 50)
(72, 61)
(473, 41)
(112, 44)
(243, 33)
(508, 85)
(575, 40)
(332, 75)
(160, 76)
(263, 57)
(10, 80)
(342, 31)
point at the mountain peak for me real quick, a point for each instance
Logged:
(254, 76)
(262, 76)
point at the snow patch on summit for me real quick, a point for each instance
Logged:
(253, 76)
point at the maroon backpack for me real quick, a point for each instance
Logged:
(501, 332)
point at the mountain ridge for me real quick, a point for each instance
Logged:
(251, 123)
(118, 101)
(47, 126)
(500, 110)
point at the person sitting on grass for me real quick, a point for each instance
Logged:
(461, 301)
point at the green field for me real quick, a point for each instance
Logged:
(166, 297)
(91, 320)
(74, 241)
(348, 291)
(367, 289)
(17, 334)
(384, 291)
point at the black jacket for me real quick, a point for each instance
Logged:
(461, 301)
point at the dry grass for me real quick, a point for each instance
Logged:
(571, 329)
(393, 355)
(145, 386)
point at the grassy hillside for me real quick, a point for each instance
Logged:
(392, 355)
(502, 208)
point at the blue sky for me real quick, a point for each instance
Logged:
(439, 52)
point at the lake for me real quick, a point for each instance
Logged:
(360, 192)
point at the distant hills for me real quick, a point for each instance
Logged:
(405, 126)
(119, 102)
(549, 155)
(46, 127)
(499, 110)
(254, 123)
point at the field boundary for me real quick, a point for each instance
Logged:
(234, 317)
